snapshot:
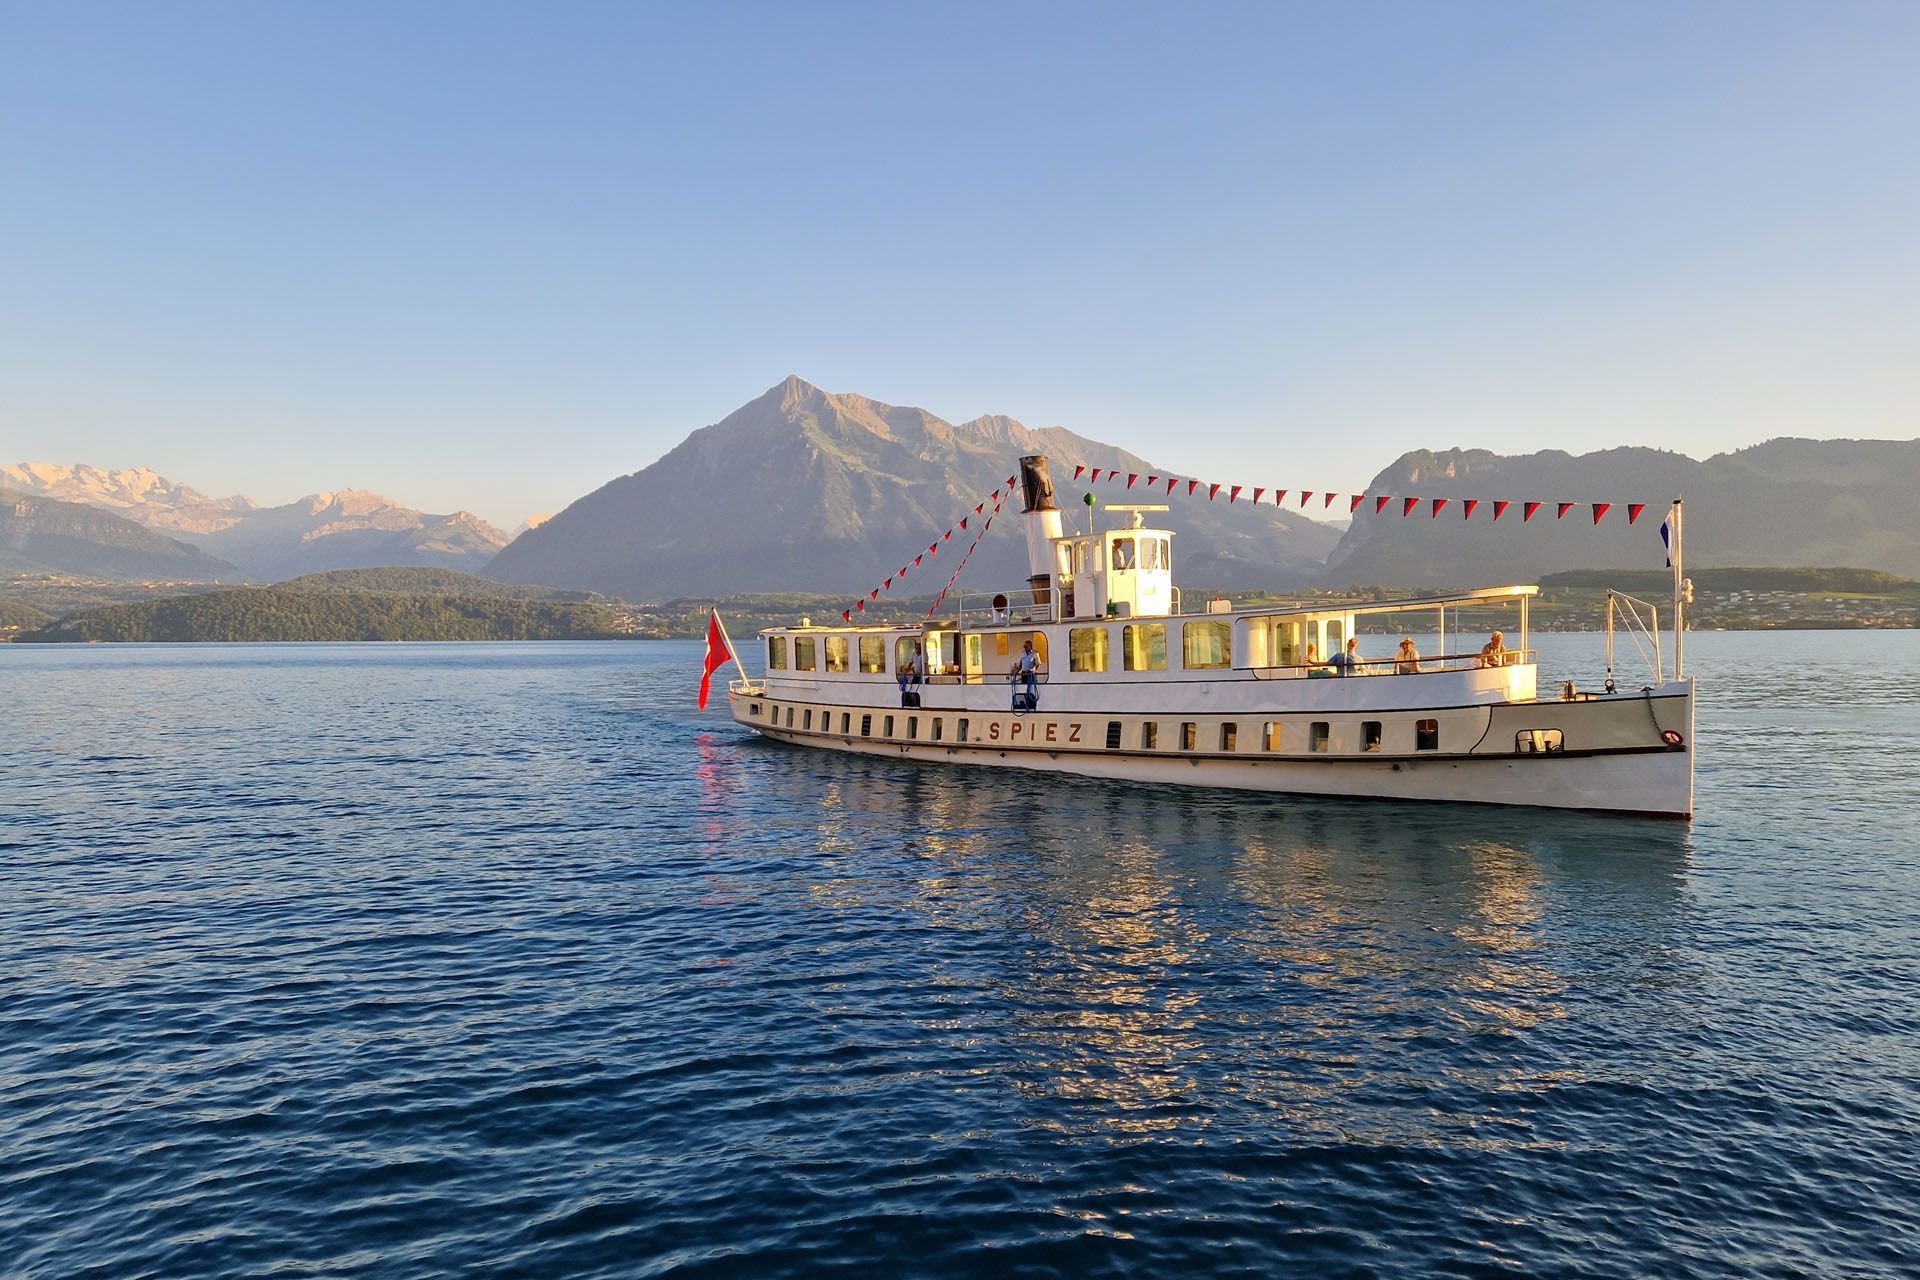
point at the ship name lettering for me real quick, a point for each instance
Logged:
(1073, 733)
(993, 731)
(1053, 733)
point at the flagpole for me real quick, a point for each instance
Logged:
(733, 654)
(1679, 597)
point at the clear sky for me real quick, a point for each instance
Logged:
(492, 255)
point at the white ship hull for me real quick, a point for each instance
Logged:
(1612, 758)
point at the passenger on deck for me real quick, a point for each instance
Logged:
(1407, 661)
(1312, 663)
(1026, 668)
(1347, 661)
(911, 670)
(1494, 652)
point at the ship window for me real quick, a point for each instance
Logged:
(1530, 742)
(753, 708)
(960, 730)
(937, 722)
(1123, 554)
(1144, 646)
(975, 663)
(1230, 736)
(776, 653)
(806, 718)
(1208, 645)
(1080, 557)
(803, 648)
(1426, 735)
(1270, 735)
(886, 727)
(837, 648)
(903, 654)
(789, 717)
(1317, 736)
(913, 726)
(873, 655)
(1336, 637)
(1087, 649)
(846, 722)
(866, 726)
(1113, 735)
(1189, 736)
(1369, 735)
(1149, 736)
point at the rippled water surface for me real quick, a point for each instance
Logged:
(430, 960)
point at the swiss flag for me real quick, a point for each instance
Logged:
(719, 654)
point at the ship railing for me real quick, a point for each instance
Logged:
(1424, 666)
(978, 677)
(1642, 627)
(1007, 608)
(747, 687)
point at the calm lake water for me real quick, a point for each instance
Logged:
(382, 960)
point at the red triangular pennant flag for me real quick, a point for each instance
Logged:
(847, 614)
(1306, 496)
(1328, 502)
(860, 606)
(1380, 503)
(1564, 508)
(963, 521)
(1279, 496)
(1213, 491)
(1095, 478)
(1191, 486)
(978, 507)
(1633, 511)
(1407, 509)
(1354, 506)
(1079, 471)
(1234, 496)
(888, 585)
(1526, 511)
(1467, 506)
(1131, 477)
(1172, 481)
(874, 594)
(1600, 509)
(917, 559)
(1152, 481)
(1500, 506)
(1438, 504)
(719, 654)
(1256, 496)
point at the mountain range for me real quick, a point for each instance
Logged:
(804, 489)
(346, 529)
(1784, 502)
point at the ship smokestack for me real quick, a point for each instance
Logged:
(1043, 525)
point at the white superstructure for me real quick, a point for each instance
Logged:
(1131, 686)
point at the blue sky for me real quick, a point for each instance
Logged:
(490, 256)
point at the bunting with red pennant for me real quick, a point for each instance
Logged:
(964, 524)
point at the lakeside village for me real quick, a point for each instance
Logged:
(30, 602)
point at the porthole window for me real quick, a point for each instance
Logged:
(960, 730)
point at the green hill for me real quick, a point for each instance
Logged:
(428, 582)
(272, 613)
(21, 617)
(1654, 582)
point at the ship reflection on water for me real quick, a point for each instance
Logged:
(1137, 961)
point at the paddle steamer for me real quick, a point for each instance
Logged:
(1132, 687)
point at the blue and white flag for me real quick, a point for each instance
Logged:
(1666, 539)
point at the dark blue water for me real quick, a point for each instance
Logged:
(437, 960)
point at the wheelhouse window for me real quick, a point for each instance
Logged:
(803, 653)
(873, 655)
(1123, 554)
(1426, 735)
(1144, 646)
(1087, 649)
(1209, 645)
(776, 653)
(1317, 736)
(1369, 735)
(837, 649)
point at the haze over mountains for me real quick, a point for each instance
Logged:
(347, 529)
(805, 490)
